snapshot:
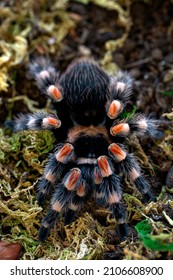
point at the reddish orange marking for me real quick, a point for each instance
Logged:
(72, 179)
(104, 166)
(122, 127)
(55, 92)
(64, 152)
(114, 108)
(117, 151)
(81, 189)
(52, 121)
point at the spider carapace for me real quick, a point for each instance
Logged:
(90, 153)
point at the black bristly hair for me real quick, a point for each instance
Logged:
(86, 91)
(87, 160)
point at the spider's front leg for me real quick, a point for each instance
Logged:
(120, 88)
(47, 78)
(108, 193)
(131, 169)
(36, 121)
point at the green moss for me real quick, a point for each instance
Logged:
(159, 242)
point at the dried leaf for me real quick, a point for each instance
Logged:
(10, 251)
(11, 54)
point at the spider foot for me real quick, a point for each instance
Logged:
(47, 224)
(122, 231)
(147, 197)
(69, 216)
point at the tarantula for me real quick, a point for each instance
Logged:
(89, 155)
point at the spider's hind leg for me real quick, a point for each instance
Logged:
(53, 171)
(67, 199)
(108, 193)
(131, 169)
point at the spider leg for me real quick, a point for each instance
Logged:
(53, 171)
(108, 193)
(138, 124)
(47, 78)
(130, 167)
(68, 197)
(120, 88)
(36, 121)
(77, 201)
(69, 216)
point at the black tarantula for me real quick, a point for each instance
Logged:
(90, 153)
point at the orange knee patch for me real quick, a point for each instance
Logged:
(104, 166)
(114, 109)
(122, 128)
(55, 93)
(51, 122)
(117, 152)
(72, 179)
(64, 152)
